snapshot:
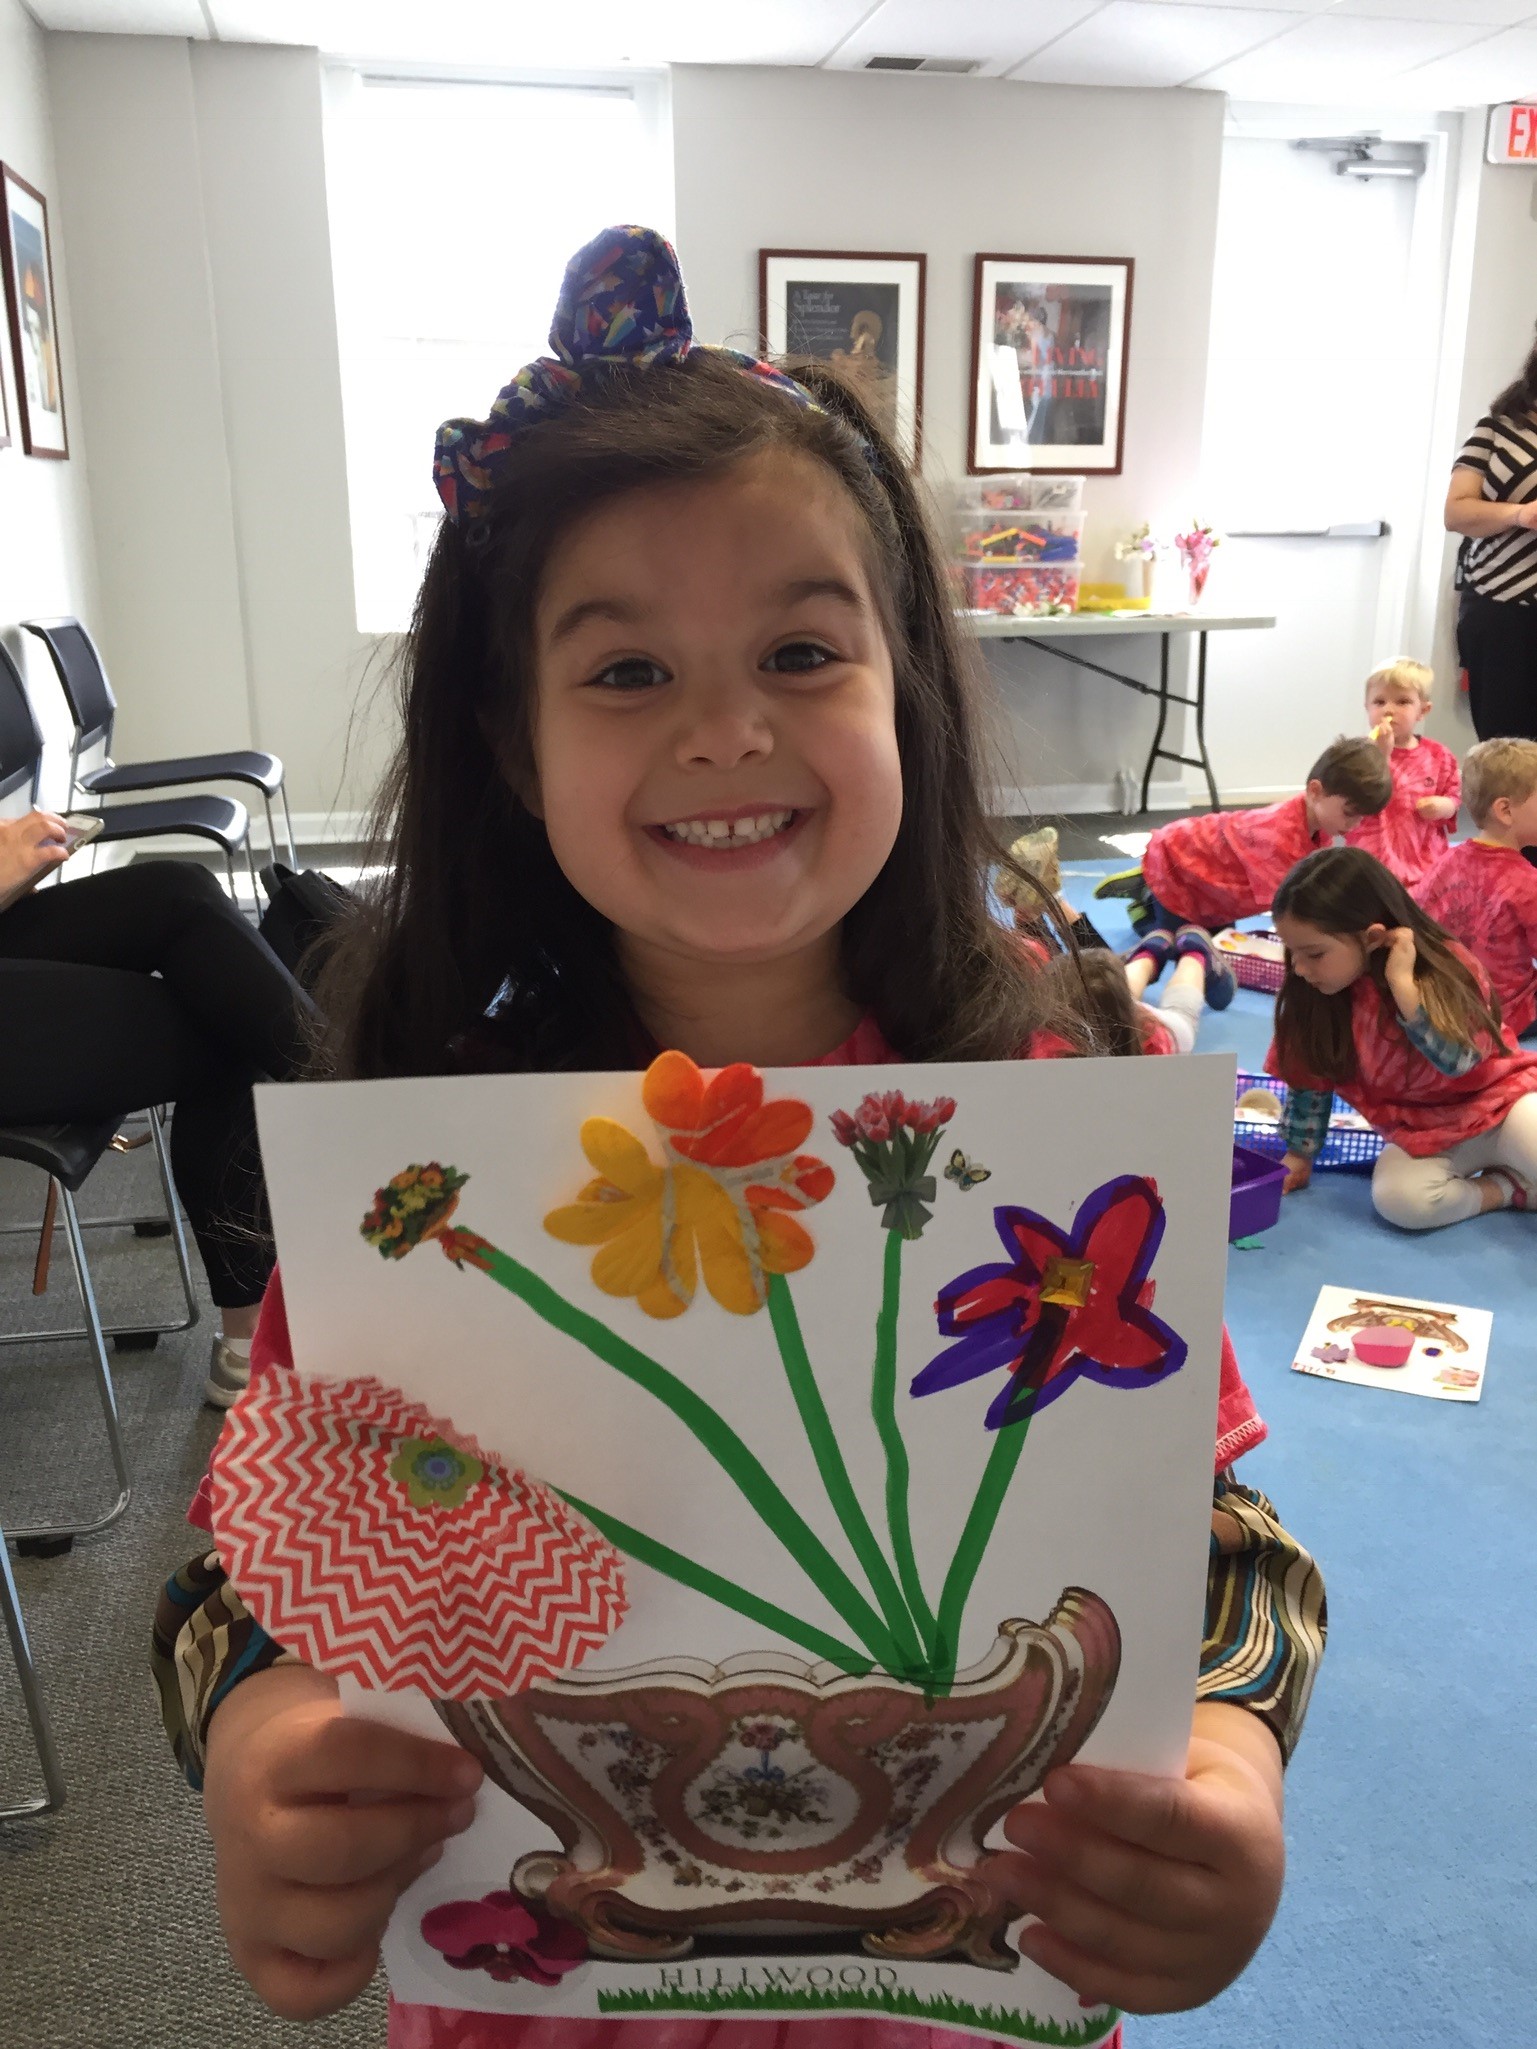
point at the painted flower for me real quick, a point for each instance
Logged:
(721, 1204)
(433, 1472)
(503, 1936)
(413, 1205)
(1064, 1304)
(893, 1141)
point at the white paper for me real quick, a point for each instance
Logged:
(1446, 1363)
(1112, 1493)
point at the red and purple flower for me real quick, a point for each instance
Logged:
(503, 1936)
(1064, 1304)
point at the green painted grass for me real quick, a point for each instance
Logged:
(942, 2010)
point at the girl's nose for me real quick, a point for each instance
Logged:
(722, 726)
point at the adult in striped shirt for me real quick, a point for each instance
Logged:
(1493, 502)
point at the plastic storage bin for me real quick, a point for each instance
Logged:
(1018, 589)
(1258, 959)
(1255, 1203)
(1018, 491)
(1018, 536)
(1349, 1148)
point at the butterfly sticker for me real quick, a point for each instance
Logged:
(966, 1174)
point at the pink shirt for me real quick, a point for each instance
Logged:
(1487, 897)
(1401, 1094)
(1403, 841)
(1224, 865)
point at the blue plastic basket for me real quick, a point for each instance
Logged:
(1347, 1150)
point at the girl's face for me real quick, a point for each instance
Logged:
(715, 742)
(1327, 961)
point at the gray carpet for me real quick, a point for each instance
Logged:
(107, 1933)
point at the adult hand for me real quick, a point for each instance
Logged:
(1524, 515)
(30, 848)
(1153, 1893)
(319, 1823)
(1299, 1172)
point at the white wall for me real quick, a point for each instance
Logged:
(47, 561)
(811, 159)
(192, 184)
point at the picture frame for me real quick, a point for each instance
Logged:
(1050, 338)
(26, 257)
(861, 311)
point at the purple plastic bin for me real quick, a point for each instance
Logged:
(1255, 1203)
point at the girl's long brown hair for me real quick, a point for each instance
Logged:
(1346, 890)
(475, 915)
(1518, 401)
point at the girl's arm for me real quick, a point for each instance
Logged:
(1154, 1894)
(1304, 1127)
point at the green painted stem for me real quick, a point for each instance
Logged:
(718, 1438)
(662, 1558)
(883, 1406)
(823, 1440)
(969, 1552)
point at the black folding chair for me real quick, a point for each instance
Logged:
(50, 1801)
(93, 709)
(21, 742)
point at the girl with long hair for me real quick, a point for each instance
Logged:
(1383, 1007)
(690, 759)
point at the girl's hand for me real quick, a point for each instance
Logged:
(30, 848)
(1153, 1894)
(1398, 969)
(319, 1823)
(1299, 1172)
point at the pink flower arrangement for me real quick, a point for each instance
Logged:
(893, 1138)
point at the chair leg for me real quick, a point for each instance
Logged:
(44, 1258)
(173, 1212)
(32, 1699)
(256, 894)
(288, 827)
(104, 1389)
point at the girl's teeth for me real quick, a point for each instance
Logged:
(721, 832)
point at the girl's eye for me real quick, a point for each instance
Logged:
(632, 674)
(800, 658)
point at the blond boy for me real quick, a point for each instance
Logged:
(1413, 831)
(1485, 892)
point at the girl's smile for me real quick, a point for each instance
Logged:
(746, 837)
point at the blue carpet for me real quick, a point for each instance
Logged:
(1410, 1916)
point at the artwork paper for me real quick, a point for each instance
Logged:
(952, 1330)
(1447, 1360)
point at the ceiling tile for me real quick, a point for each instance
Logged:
(1502, 68)
(992, 33)
(596, 34)
(1480, 13)
(122, 17)
(1334, 56)
(1143, 42)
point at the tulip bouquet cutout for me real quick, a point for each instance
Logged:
(726, 1205)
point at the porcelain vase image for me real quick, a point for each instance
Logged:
(779, 1799)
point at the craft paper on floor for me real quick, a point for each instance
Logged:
(769, 1477)
(1432, 1348)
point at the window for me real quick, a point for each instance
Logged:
(454, 208)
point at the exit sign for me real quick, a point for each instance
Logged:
(1512, 133)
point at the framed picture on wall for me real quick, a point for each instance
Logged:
(862, 313)
(1049, 340)
(32, 316)
(5, 418)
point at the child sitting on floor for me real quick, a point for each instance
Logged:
(1413, 830)
(1205, 872)
(1383, 1007)
(1485, 891)
(1117, 1015)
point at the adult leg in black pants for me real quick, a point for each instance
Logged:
(146, 985)
(1497, 645)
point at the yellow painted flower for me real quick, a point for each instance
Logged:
(721, 1203)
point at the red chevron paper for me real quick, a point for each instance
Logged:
(383, 1544)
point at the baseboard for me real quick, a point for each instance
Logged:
(1068, 800)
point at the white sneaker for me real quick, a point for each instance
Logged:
(229, 1372)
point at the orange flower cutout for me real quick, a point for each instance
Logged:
(723, 1202)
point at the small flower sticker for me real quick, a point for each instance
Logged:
(413, 1205)
(893, 1139)
(434, 1473)
(506, 1938)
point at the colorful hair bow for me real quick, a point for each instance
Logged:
(621, 301)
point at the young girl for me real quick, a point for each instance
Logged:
(690, 760)
(1384, 1007)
